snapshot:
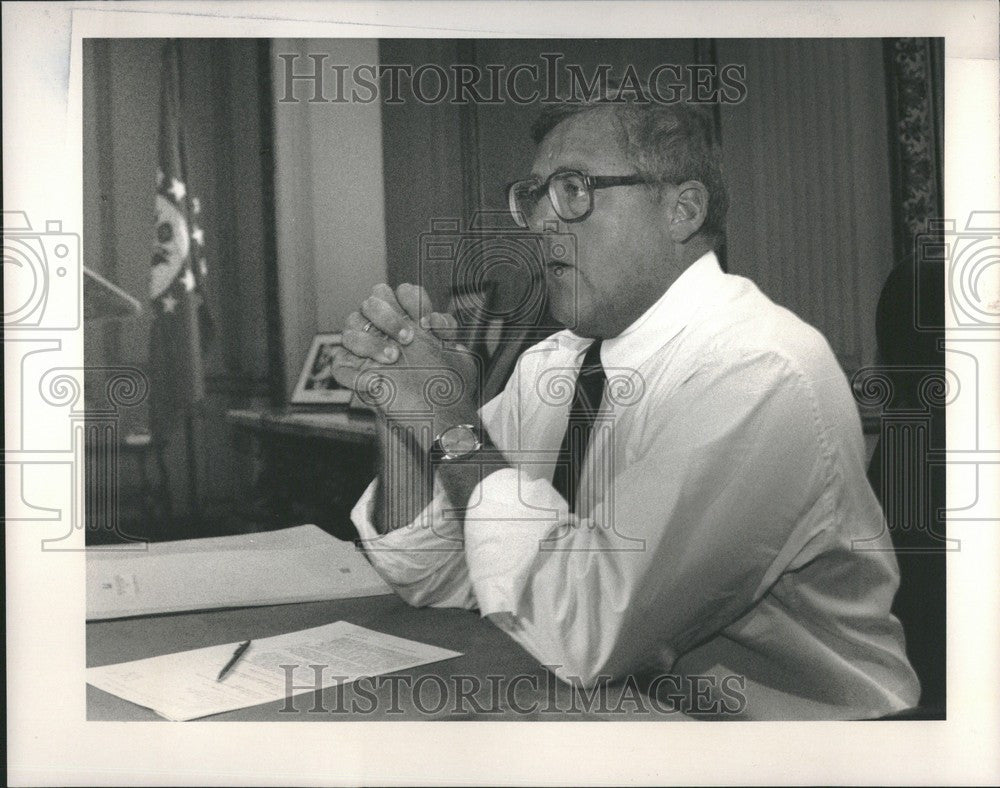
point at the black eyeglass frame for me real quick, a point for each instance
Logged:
(592, 183)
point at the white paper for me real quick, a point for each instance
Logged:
(301, 564)
(183, 686)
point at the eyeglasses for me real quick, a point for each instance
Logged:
(570, 192)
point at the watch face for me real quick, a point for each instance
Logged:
(459, 440)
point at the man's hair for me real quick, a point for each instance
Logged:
(667, 143)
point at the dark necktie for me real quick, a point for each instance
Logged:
(586, 402)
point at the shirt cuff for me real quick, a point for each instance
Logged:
(411, 553)
(507, 519)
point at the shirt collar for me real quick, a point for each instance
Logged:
(662, 321)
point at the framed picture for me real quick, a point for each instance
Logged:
(316, 385)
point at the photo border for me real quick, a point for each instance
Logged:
(50, 741)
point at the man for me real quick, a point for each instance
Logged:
(716, 485)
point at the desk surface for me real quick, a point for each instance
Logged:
(511, 684)
(351, 425)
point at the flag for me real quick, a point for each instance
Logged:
(181, 323)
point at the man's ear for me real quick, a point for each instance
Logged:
(689, 209)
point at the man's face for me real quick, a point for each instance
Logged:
(623, 253)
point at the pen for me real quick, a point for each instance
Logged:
(240, 650)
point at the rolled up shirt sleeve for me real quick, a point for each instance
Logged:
(424, 561)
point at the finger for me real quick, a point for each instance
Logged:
(442, 321)
(441, 324)
(359, 322)
(386, 319)
(387, 294)
(445, 327)
(414, 300)
(457, 347)
(346, 367)
(367, 344)
(342, 357)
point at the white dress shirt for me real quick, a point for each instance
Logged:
(724, 525)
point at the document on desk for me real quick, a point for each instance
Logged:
(183, 686)
(300, 564)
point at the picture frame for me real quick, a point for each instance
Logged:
(316, 385)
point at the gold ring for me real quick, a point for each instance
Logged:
(368, 326)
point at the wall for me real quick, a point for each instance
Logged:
(807, 167)
(228, 154)
(425, 173)
(806, 160)
(330, 206)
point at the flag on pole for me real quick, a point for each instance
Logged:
(181, 322)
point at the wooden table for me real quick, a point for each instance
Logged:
(352, 426)
(494, 679)
(312, 465)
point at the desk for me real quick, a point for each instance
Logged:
(353, 426)
(489, 657)
(314, 465)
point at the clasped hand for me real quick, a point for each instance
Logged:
(404, 364)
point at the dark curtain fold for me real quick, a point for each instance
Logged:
(906, 470)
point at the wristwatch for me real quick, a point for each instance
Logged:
(456, 442)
